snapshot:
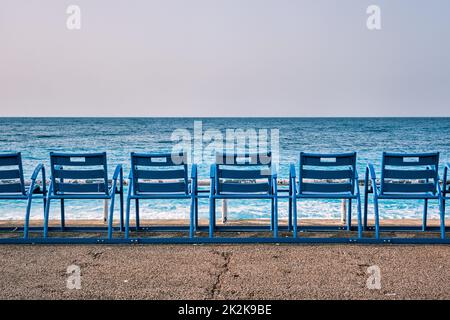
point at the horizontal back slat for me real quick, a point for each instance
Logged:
(80, 188)
(79, 174)
(411, 160)
(327, 161)
(244, 159)
(243, 174)
(408, 188)
(79, 160)
(9, 160)
(158, 160)
(167, 187)
(410, 174)
(11, 188)
(9, 174)
(326, 187)
(326, 174)
(161, 174)
(244, 187)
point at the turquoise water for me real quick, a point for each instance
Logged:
(36, 137)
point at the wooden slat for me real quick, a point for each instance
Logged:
(167, 187)
(407, 188)
(243, 187)
(243, 160)
(326, 187)
(80, 188)
(97, 160)
(9, 174)
(323, 161)
(327, 174)
(161, 174)
(408, 161)
(409, 174)
(11, 188)
(244, 174)
(79, 174)
(9, 161)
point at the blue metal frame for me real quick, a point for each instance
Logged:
(222, 189)
(413, 191)
(15, 159)
(59, 190)
(325, 189)
(162, 190)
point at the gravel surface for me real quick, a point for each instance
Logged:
(225, 272)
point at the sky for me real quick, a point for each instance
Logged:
(206, 58)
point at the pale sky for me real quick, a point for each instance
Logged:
(224, 58)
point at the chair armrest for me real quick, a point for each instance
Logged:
(373, 175)
(273, 172)
(292, 173)
(117, 172)
(194, 177)
(39, 169)
(212, 171)
(212, 175)
(370, 169)
(194, 174)
(444, 189)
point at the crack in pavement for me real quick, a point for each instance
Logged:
(222, 270)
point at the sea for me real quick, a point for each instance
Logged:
(369, 137)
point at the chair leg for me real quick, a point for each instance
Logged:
(46, 217)
(137, 215)
(127, 218)
(275, 217)
(111, 217)
(294, 218)
(63, 216)
(366, 204)
(360, 228)
(196, 215)
(192, 218)
(349, 215)
(290, 214)
(212, 216)
(272, 208)
(442, 214)
(425, 212)
(27, 219)
(121, 209)
(377, 218)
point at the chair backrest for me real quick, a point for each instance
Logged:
(244, 173)
(160, 173)
(409, 173)
(79, 173)
(327, 173)
(11, 174)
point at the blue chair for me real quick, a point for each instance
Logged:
(324, 176)
(404, 176)
(161, 176)
(12, 184)
(83, 176)
(243, 176)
